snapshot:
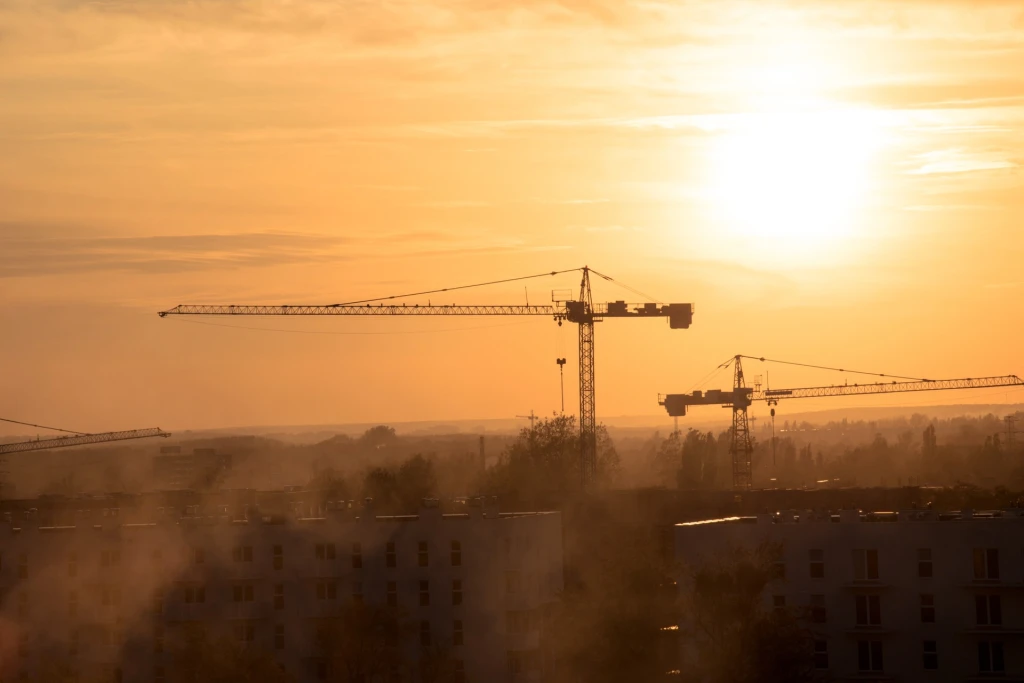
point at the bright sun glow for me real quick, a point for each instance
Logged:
(790, 185)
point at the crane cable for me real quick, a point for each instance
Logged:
(452, 289)
(609, 278)
(29, 424)
(824, 367)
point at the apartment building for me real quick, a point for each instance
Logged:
(111, 594)
(915, 595)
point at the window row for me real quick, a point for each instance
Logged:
(985, 564)
(988, 609)
(870, 658)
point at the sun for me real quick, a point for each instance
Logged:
(790, 184)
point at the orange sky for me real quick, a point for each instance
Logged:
(832, 182)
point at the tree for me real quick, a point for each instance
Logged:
(609, 625)
(543, 463)
(415, 481)
(361, 645)
(200, 657)
(733, 637)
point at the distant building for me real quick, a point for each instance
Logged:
(110, 594)
(911, 596)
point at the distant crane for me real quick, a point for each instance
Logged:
(531, 417)
(742, 396)
(580, 310)
(80, 440)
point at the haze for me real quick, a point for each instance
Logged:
(831, 182)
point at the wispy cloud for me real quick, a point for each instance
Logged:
(947, 161)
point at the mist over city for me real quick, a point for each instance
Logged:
(469, 341)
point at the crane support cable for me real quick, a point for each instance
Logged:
(825, 367)
(452, 289)
(609, 278)
(30, 424)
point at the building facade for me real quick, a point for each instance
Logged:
(112, 596)
(915, 595)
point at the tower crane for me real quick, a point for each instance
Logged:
(742, 397)
(80, 440)
(580, 310)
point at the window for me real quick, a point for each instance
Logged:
(990, 657)
(158, 674)
(242, 593)
(321, 671)
(279, 596)
(392, 594)
(778, 602)
(422, 557)
(357, 556)
(325, 551)
(110, 558)
(457, 592)
(195, 594)
(244, 631)
(459, 671)
(865, 565)
(425, 633)
(23, 566)
(456, 554)
(930, 654)
(424, 593)
(924, 563)
(821, 654)
(72, 604)
(389, 555)
(22, 604)
(927, 609)
(278, 557)
(513, 582)
(326, 590)
(73, 645)
(988, 609)
(817, 566)
(73, 565)
(158, 639)
(242, 553)
(869, 610)
(110, 596)
(986, 564)
(818, 613)
(198, 556)
(357, 592)
(279, 636)
(394, 674)
(158, 600)
(779, 570)
(869, 655)
(457, 632)
(515, 662)
(517, 622)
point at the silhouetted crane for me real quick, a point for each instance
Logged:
(581, 311)
(79, 440)
(742, 396)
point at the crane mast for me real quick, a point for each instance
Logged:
(581, 311)
(742, 397)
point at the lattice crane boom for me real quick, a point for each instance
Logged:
(741, 397)
(581, 311)
(80, 440)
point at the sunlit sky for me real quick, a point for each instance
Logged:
(834, 182)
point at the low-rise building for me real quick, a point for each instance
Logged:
(112, 596)
(914, 595)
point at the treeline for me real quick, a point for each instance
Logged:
(905, 451)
